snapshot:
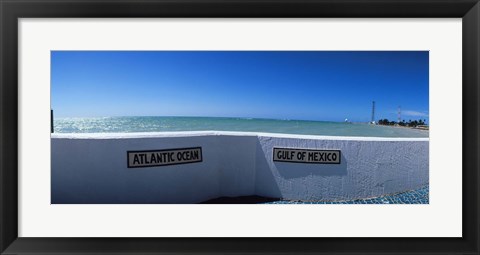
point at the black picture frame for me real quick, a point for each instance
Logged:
(12, 10)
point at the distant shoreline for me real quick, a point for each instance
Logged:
(398, 126)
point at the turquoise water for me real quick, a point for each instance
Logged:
(417, 196)
(163, 124)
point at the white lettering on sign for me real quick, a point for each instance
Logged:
(306, 156)
(164, 157)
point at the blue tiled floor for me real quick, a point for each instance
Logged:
(418, 196)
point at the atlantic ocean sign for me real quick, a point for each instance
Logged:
(164, 157)
(306, 156)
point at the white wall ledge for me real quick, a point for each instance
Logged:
(225, 133)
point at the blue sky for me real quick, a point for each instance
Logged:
(309, 85)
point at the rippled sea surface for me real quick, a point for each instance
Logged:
(417, 196)
(168, 124)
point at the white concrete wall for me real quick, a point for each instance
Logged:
(92, 168)
(369, 168)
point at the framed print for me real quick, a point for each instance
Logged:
(239, 127)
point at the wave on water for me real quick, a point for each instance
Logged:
(285, 126)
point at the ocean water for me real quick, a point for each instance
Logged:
(168, 124)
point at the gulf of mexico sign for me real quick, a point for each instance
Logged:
(306, 156)
(164, 157)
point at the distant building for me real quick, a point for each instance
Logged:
(373, 113)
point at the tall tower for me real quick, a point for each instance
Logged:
(373, 112)
(399, 114)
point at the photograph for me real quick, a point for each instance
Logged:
(239, 127)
